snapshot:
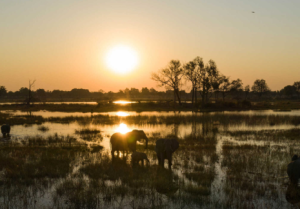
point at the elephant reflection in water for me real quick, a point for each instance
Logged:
(293, 194)
(164, 149)
(127, 142)
(164, 183)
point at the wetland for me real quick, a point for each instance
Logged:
(229, 159)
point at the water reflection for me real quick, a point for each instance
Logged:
(122, 114)
(123, 102)
(123, 129)
(211, 162)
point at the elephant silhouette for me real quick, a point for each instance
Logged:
(5, 130)
(127, 142)
(136, 157)
(164, 149)
(293, 170)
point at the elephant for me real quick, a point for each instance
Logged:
(164, 150)
(136, 157)
(293, 170)
(5, 129)
(127, 142)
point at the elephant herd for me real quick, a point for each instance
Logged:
(127, 142)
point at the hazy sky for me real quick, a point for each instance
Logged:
(62, 43)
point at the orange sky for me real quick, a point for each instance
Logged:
(62, 44)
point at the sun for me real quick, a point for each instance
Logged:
(121, 59)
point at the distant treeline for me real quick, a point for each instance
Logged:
(144, 94)
(210, 84)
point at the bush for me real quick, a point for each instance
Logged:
(246, 103)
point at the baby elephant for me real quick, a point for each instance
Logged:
(136, 157)
(5, 129)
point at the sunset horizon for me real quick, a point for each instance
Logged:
(63, 45)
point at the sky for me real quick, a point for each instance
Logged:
(63, 44)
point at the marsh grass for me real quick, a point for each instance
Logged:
(43, 128)
(89, 134)
(77, 175)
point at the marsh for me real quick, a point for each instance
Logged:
(239, 163)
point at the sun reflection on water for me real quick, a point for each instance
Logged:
(123, 102)
(123, 129)
(122, 114)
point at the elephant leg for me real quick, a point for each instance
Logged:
(170, 161)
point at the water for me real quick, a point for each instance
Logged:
(233, 175)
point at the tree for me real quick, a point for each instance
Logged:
(145, 91)
(3, 91)
(297, 86)
(236, 85)
(224, 85)
(41, 93)
(260, 86)
(170, 77)
(208, 76)
(192, 73)
(289, 91)
(247, 90)
(31, 85)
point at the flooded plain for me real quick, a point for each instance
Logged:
(225, 160)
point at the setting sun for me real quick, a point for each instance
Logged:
(122, 128)
(121, 59)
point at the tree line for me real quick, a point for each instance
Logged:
(206, 80)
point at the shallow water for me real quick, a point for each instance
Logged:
(183, 163)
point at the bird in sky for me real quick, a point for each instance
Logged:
(253, 12)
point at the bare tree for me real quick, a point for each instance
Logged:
(260, 86)
(31, 85)
(170, 77)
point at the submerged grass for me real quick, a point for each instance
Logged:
(247, 171)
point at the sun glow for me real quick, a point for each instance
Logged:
(122, 114)
(122, 128)
(121, 59)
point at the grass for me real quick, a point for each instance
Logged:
(43, 128)
(89, 134)
(246, 171)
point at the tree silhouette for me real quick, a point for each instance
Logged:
(297, 86)
(289, 91)
(208, 76)
(31, 84)
(224, 85)
(260, 86)
(170, 77)
(3, 91)
(247, 90)
(192, 73)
